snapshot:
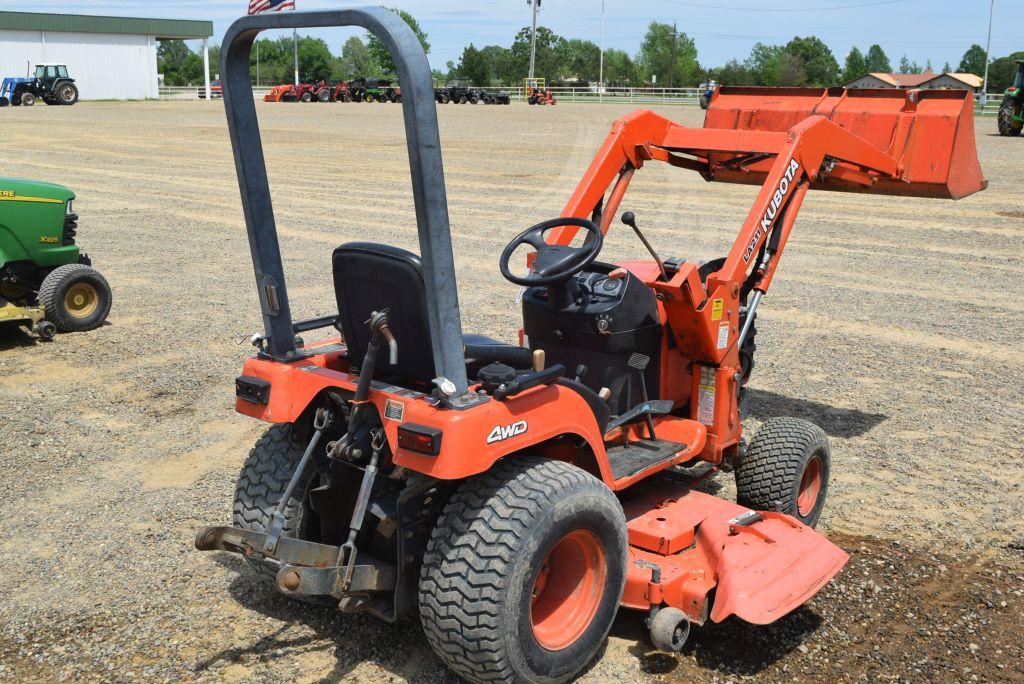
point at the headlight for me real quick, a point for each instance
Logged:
(70, 208)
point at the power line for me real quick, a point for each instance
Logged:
(785, 9)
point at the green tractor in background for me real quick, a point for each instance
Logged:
(1011, 113)
(46, 282)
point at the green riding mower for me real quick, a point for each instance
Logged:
(47, 283)
(1011, 112)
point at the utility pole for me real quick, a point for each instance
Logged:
(295, 37)
(672, 69)
(988, 46)
(536, 4)
(600, 65)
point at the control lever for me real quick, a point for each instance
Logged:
(528, 381)
(380, 333)
(581, 372)
(630, 220)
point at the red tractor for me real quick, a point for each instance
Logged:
(540, 96)
(341, 93)
(323, 92)
(305, 92)
(516, 496)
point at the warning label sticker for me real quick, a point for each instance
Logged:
(394, 410)
(723, 335)
(706, 396)
(716, 310)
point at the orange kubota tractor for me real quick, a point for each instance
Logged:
(281, 93)
(516, 496)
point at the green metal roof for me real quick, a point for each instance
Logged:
(184, 29)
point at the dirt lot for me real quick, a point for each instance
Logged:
(896, 324)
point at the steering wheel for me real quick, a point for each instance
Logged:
(554, 263)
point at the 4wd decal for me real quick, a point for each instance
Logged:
(773, 208)
(502, 432)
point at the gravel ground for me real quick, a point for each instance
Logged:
(894, 323)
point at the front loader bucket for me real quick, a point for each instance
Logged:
(929, 133)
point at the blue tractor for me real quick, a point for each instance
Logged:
(51, 84)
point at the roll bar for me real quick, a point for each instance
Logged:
(428, 188)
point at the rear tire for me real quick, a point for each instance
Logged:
(67, 94)
(306, 97)
(1007, 125)
(786, 469)
(260, 486)
(76, 298)
(523, 573)
(324, 96)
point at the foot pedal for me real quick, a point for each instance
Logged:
(656, 407)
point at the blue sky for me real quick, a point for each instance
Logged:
(939, 30)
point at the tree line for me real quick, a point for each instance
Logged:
(666, 58)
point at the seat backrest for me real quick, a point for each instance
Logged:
(372, 277)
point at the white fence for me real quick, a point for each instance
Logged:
(638, 96)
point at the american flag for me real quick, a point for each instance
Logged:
(258, 6)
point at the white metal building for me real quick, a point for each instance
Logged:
(109, 57)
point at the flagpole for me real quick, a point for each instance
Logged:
(295, 36)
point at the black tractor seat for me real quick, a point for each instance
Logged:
(372, 277)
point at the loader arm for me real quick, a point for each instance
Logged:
(916, 143)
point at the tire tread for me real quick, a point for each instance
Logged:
(465, 567)
(775, 456)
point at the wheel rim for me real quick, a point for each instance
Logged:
(810, 487)
(81, 300)
(568, 589)
(66, 92)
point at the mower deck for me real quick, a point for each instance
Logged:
(761, 565)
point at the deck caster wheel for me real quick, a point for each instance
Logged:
(46, 330)
(670, 628)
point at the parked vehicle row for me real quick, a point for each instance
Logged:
(462, 94)
(356, 90)
(378, 90)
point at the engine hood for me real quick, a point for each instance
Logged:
(27, 190)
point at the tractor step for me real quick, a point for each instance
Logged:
(634, 457)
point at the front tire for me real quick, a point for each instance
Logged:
(786, 468)
(76, 298)
(1007, 124)
(28, 99)
(523, 573)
